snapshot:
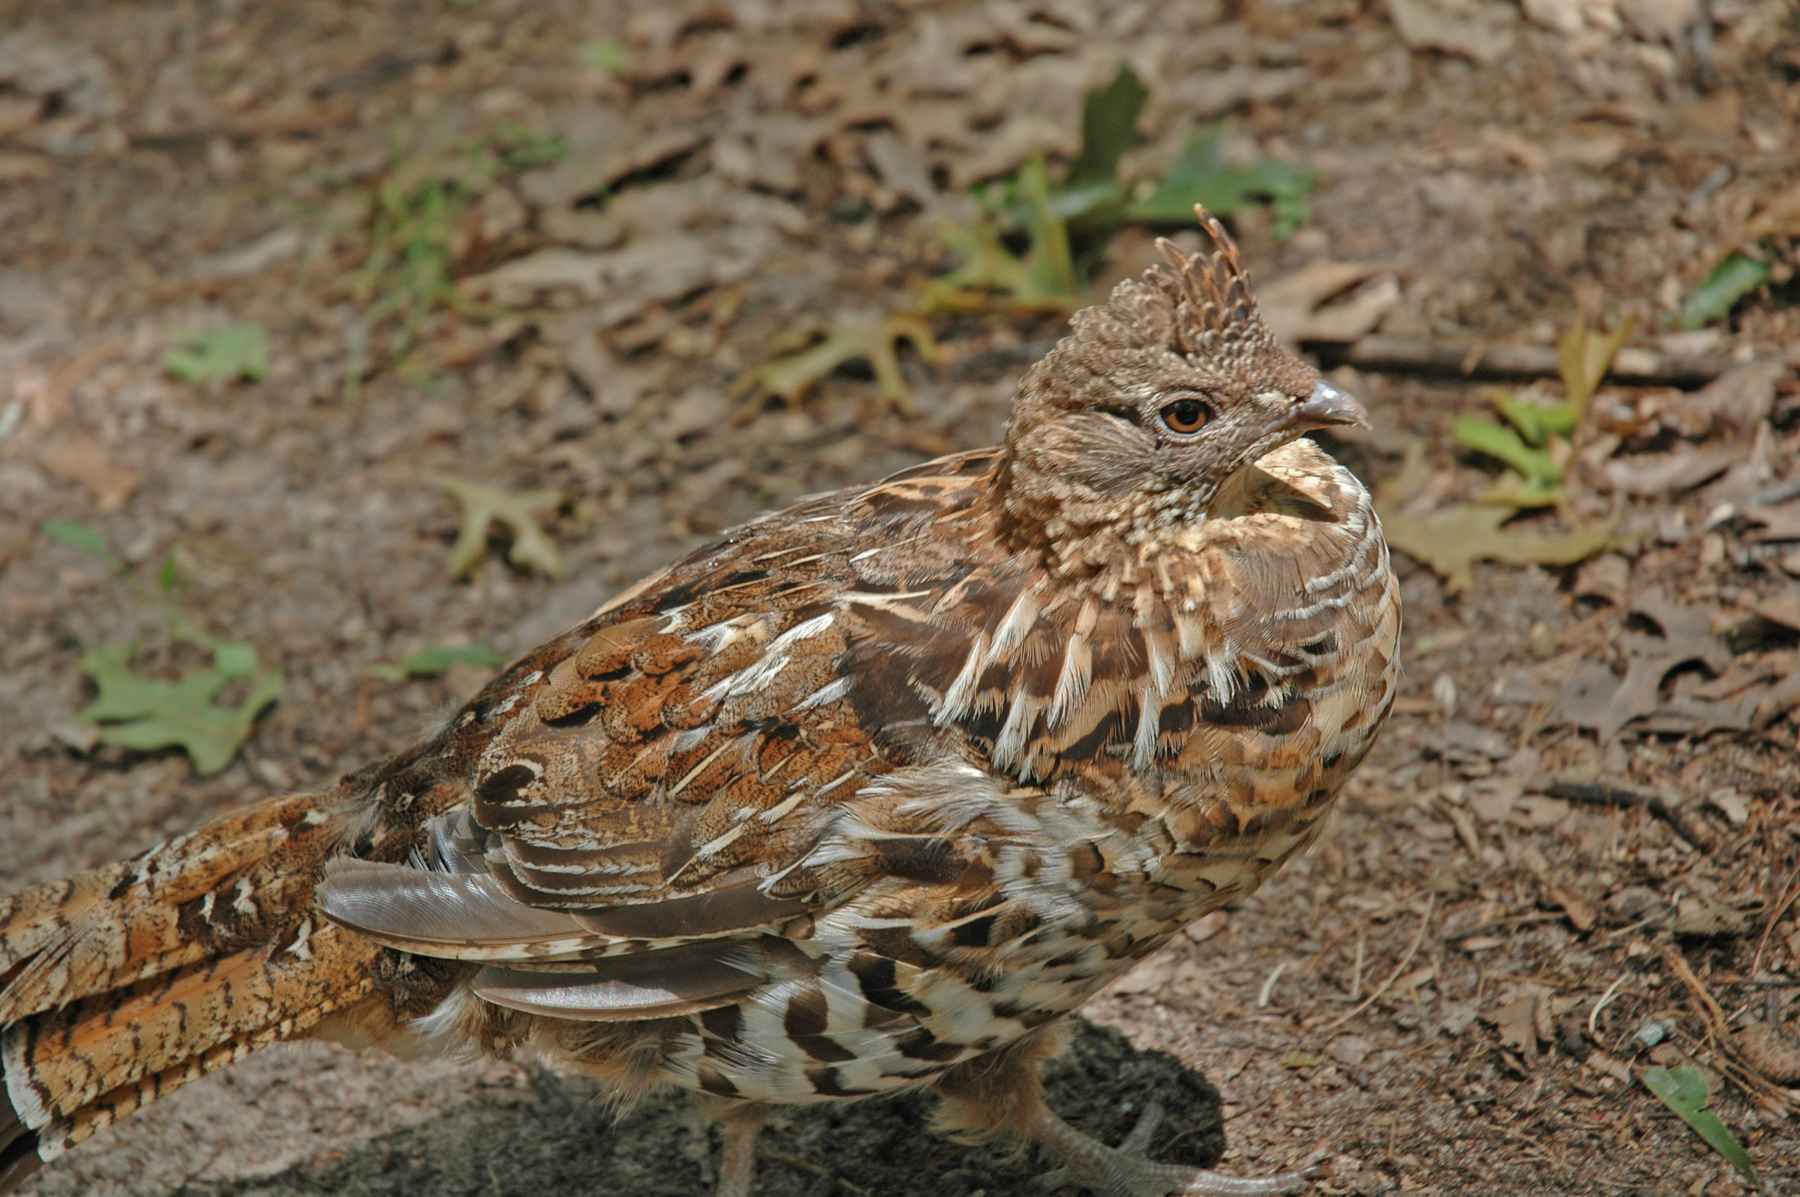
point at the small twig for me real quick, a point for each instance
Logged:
(1758, 1060)
(1268, 985)
(1599, 793)
(1781, 908)
(1412, 950)
(1511, 921)
(1630, 365)
(1709, 1010)
(1605, 1000)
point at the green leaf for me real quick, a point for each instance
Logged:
(1684, 1091)
(76, 535)
(1537, 422)
(231, 351)
(1109, 128)
(482, 506)
(1731, 280)
(1199, 175)
(1584, 356)
(1505, 445)
(147, 713)
(234, 659)
(606, 54)
(430, 662)
(1052, 267)
(521, 148)
(1044, 279)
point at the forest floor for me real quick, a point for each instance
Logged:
(549, 246)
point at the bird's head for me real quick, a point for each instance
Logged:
(1157, 398)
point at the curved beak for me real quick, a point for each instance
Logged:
(1328, 407)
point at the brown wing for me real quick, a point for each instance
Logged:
(689, 768)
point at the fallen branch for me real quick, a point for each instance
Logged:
(1599, 793)
(1631, 365)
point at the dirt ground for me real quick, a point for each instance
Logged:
(539, 245)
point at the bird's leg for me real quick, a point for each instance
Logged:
(1003, 1094)
(737, 1161)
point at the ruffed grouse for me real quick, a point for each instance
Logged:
(865, 796)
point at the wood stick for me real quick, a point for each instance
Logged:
(1599, 793)
(1632, 364)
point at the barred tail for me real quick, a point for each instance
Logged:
(122, 983)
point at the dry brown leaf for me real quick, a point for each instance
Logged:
(1652, 474)
(1606, 577)
(1451, 539)
(1467, 27)
(1329, 301)
(622, 283)
(1516, 1021)
(83, 459)
(1783, 609)
(1688, 631)
(1742, 398)
(1596, 698)
(1581, 912)
(1702, 917)
(1777, 523)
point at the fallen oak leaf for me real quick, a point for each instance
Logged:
(1597, 699)
(148, 713)
(484, 506)
(1339, 302)
(1451, 539)
(875, 341)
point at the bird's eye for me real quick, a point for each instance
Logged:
(1186, 416)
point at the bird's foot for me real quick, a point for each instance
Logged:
(1127, 1170)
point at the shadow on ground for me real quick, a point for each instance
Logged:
(560, 1138)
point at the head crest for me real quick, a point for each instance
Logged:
(1216, 312)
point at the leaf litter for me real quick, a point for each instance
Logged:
(1536, 441)
(1031, 240)
(958, 153)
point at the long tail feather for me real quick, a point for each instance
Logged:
(121, 984)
